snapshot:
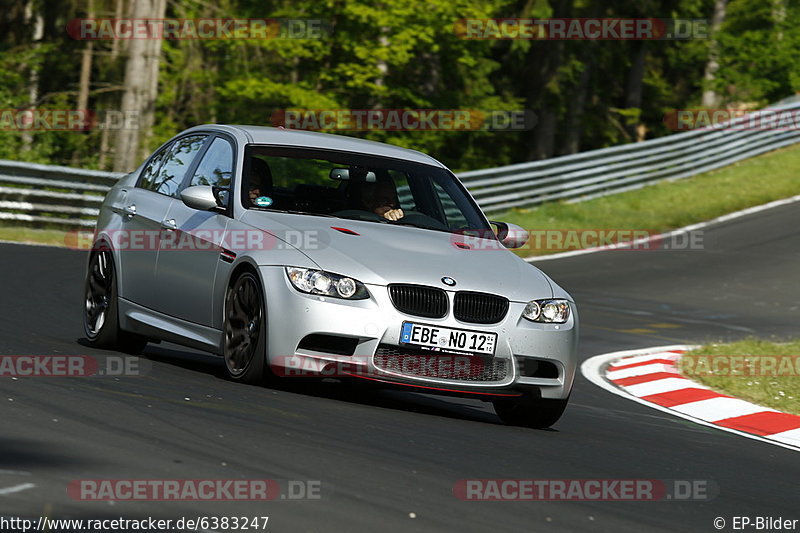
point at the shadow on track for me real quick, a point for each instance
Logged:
(356, 392)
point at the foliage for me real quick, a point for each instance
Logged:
(403, 54)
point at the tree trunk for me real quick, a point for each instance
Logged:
(119, 9)
(574, 123)
(545, 138)
(383, 67)
(104, 135)
(86, 76)
(710, 97)
(541, 98)
(84, 81)
(537, 75)
(779, 17)
(633, 92)
(33, 76)
(141, 89)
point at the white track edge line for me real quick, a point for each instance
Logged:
(685, 229)
(16, 488)
(591, 371)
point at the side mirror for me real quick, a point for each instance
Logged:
(200, 197)
(511, 235)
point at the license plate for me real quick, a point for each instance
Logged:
(458, 340)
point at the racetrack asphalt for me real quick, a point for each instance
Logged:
(389, 460)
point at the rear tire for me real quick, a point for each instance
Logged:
(245, 331)
(529, 411)
(101, 306)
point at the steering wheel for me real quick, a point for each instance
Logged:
(418, 218)
(414, 218)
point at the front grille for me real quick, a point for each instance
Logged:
(479, 307)
(418, 300)
(438, 365)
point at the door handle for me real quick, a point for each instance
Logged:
(129, 211)
(169, 224)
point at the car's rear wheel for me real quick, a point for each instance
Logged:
(245, 330)
(530, 411)
(100, 309)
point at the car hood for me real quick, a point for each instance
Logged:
(381, 254)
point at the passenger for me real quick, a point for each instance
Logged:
(259, 180)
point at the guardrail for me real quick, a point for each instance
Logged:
(52, 196)
(621, 168)
(64, 197)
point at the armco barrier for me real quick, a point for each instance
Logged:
(64, 197)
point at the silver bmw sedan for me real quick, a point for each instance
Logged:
(304, 254)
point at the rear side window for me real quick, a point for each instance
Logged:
(216, 167)
(151, 170)
(168, 178)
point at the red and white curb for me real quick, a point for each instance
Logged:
(650, 376)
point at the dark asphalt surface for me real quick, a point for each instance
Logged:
(383, 455)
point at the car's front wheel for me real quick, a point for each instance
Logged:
(530, 411)
(245, 330)
(100, 309)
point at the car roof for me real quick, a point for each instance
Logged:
(312, 139)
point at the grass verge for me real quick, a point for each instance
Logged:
(52, 237)
(761, 372)
(670, 205)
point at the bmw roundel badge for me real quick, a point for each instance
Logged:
(447, 280)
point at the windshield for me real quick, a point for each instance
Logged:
(357, 186)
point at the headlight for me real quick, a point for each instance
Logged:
(326, 284)
(547, 311)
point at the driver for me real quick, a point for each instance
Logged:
(380, 197)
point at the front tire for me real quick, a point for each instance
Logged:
(245, 330)
(529, 411)
(101, 307)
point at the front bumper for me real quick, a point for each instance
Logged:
(374, 322)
